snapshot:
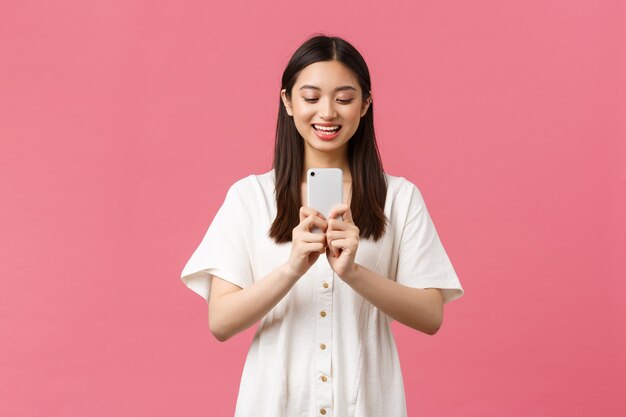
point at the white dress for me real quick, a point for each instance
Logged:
(302, 362)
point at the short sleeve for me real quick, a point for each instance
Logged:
(422, 260)
(223, 250)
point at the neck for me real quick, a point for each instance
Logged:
(316, 159)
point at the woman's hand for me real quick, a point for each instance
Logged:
(343, 240)
(306, 246)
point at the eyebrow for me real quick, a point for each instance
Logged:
(340, 88)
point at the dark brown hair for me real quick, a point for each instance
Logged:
(369, 184)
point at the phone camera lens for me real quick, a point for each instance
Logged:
(313, 173)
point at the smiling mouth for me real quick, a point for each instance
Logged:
(325, 129)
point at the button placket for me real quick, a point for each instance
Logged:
(324, 325)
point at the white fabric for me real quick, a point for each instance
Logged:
(285, 363)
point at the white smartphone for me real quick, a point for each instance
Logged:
(324, 191)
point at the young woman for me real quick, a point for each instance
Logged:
(325, 302)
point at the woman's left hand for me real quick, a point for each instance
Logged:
(342, 240)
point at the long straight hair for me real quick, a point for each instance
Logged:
(369, 183)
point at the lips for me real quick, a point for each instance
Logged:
(326, 127)
(326, 135)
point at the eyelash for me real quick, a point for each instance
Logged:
(311, 100)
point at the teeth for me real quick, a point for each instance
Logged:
(328, 129)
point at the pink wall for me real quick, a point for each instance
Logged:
(122, 124)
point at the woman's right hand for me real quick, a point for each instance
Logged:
(307, 246)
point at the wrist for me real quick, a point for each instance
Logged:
(351, 275)
(286, 271)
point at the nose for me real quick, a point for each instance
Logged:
(327, 109)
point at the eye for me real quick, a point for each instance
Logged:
(313, 100)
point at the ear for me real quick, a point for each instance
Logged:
(366, 104)
(286, 101)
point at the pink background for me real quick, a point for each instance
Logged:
(123, 123)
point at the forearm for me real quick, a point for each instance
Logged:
(236, 311)
(420, 309)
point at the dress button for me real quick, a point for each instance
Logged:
(322, 411)
(323, 378)
(323, 313)
(325, 285)
(322, 346)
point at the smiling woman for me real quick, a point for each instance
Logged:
(325, 301)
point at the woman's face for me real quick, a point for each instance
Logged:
(328, 93)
